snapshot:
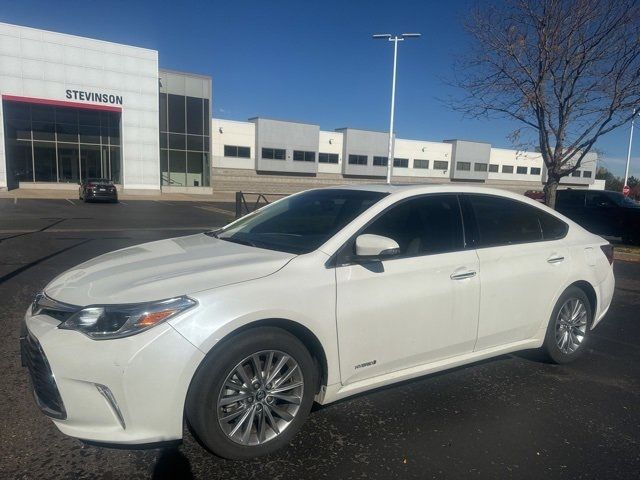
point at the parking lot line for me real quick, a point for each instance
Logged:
(15, 200)
(70, 201)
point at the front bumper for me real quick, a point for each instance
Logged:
(125, 391)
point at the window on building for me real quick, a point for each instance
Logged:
(302, 156)
(328, 158)
(480, 167)
(586, 174)
(60, 144)
(507, 168)
(463, 166)
(401, 162)
(380, 161)
(575, 173)
(237, 151)
(502, 221)
(357, 159)
(521, 170)
(184, 140)
(534, 171)
(440, 165)
(422, 226)
(274, 153)
(493, 168)
(417, 163)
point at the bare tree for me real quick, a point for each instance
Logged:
(567, 71)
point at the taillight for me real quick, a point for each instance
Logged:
(608, 252)
(91, 185)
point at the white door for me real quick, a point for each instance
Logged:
(523, 263)
(417, 307)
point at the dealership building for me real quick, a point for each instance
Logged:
(74, 108)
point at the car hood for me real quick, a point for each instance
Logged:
(163, 269)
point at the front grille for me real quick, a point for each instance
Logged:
(44, 384)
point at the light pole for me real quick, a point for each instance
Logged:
(395, 40)
(626, 170)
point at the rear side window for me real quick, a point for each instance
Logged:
(423, 225)
(552, 228)
(502, 221)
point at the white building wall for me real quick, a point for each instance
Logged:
(421, 150)
(330, 142)
(40, 64)
(515, 158)
(230, 132)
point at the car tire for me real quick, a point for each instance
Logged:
(569, 327)
(221, 424)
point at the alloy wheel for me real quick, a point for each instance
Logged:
(260, 397)
(571, 325)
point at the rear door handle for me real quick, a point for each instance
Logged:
(555, 259)
(462, 275)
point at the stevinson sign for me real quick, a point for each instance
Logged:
(94, 97)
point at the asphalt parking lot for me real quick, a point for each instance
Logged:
(510, 417)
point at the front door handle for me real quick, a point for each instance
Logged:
(462, 275)
(555, 259)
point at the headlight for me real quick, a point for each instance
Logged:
(102, 322)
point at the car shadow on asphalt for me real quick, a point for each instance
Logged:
(172, 464)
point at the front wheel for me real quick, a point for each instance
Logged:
(250, 397)
(568, 330)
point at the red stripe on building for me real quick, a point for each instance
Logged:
(61, 103)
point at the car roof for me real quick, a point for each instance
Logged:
(394, 189)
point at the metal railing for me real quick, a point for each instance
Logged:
(246, 205)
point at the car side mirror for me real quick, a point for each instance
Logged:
(375, 247)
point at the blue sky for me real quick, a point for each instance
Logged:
(302, 60)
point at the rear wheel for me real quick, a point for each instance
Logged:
(250, 397)
(568, 330)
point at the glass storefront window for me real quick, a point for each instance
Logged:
(60, 144)
(177, 168)
(184, 141)
(176, 113)
(194, 169)
(194, 115)
(44, 160)
(68, 166)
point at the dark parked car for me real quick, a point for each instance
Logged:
(602, 212)
(98, 189)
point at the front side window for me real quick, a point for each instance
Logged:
(300, 223)
(598, 199)
(502, 221)
(570, 198)
(425, 225)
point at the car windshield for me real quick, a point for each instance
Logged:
(299, 223)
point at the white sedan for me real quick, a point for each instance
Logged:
(321, 295)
